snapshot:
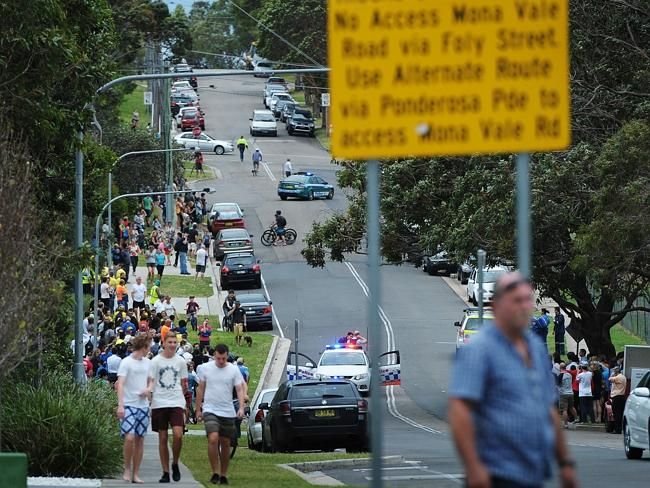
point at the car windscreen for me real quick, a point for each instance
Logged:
(190, 114)
(240, 261)
(300, 118)
(491, 276)
(339, 358)
(264, 65)
(264, 118)
(323, 390)
(234, 234)
(224, 208)
(282, 96)
(474, 323)
(251, 298)
(228, 215)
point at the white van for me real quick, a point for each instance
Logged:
(263, 122)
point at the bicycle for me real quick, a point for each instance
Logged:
(270, 236)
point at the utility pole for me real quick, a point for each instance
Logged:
(78, 367)
(169, 167)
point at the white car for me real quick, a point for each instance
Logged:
(345, 361)
(204, 142)
(636, 420)
(277, 96)
(263, 69)
(490, 276)
(270, 90)
(257, 417)
(182, 86)
(263, 122)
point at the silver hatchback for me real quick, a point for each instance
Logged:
(231, 240)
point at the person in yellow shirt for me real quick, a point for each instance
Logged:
(120, 274)
(113, 281)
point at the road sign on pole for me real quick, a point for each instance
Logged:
(324, 99)
(448, 77)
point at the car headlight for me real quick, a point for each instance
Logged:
(362, 376)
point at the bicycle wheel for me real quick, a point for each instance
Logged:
(290, 236)
(268, 237)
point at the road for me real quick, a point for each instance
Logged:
(418, 310)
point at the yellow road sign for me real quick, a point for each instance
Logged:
(425, 77)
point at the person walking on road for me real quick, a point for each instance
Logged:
(618, 382)
(287, 168)
(257, 159)
(160, 262)
(504, 415)
(133, 405)
(168, 384)
(217, 380)
(242, 145)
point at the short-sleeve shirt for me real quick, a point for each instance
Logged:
(167, 374)
(219, 383)
(135, 373)
(139, 292)
(512, 404)
(584, 383)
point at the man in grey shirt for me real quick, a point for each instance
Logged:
(502, 400)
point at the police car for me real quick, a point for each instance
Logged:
(306, 186)
(350, 362)
(471, 324)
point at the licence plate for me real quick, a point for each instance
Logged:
(228, 224)
(324, 413)
(241, 272)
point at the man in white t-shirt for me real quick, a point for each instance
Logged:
(168, 383)
(133, 405)
(169, 306)
(214, 405)
(201, 261)
(584, 392)
(138, 294)
(287, 168)
(113, 365)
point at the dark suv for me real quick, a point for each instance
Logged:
(308, 414)
(298, 123)
(439, 263)
(238, 268)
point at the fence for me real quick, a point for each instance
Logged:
(639, 322)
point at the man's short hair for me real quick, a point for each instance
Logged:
(169, 335)
(140, 342)
(508, 282)
(221, 349)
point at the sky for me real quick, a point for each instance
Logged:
(187, 4)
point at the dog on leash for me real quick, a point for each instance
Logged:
(248, 340)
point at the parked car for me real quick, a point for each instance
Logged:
(204, 142)
(263, 122)
(440, 262)
(225, 215)
(259, 311)
(257, 417)
(636, 420)
(307, 414)
(238, 268)
(299, 124)
(263, 69)
(276, 80)
(465, 269)
(275, 99)
(471, 324)
(490, 276)
(269, 90)
(182, 68)
(306, 186)
(180, 86)
(190, 117)
(231, 240)
(291, 109)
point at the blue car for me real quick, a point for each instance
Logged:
(305, 186)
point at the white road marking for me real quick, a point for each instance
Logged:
(388, 327)
(268, 171)
(275, 317)
(444, 342)
(441, 476)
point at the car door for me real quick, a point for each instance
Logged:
(471, 281)
(641, 423)
(305, 372)
(390, 369)
(205, 143)
(315, 186)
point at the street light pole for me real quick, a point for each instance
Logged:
(78, 368)
(98, 222)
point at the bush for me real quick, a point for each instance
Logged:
(64, 429)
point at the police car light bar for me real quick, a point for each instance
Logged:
(343, 346)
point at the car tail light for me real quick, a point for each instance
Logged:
(259, 416)
(225, 270)
(362, 405)
(256, 268)
(285, 408)
(268, 309)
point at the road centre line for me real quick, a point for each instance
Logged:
(268, 171)
(388, 326)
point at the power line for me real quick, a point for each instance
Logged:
(299, 51)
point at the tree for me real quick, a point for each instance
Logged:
(177, 38)
(213, 31)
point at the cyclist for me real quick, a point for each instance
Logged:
(280, 226)
(257, 159)
(242, 145)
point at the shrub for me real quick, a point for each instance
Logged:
(64, 429)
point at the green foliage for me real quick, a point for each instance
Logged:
(213, 30)
(65, 429)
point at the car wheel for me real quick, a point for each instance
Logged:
(203, 127)
(275, 134)
(219, 150)
(251, 131)
(430, 271)
(283, 197)
(330, 195)
(630, 452)
(310, 195)
(224, 284)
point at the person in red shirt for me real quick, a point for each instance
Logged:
(196, 131)
(88, 366)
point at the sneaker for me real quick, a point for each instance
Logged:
(176, 473)
(164, 478)
(215, 479)
(223, 480)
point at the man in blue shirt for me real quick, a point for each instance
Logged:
(559, 330)
(502, 400)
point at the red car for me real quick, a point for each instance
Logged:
(226, 216)
(190, 118)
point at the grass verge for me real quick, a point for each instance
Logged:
(188, 166)
(133, 102)
(252, 468)
(323, 138)
(184, 286)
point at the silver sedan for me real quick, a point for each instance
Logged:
(204, 142)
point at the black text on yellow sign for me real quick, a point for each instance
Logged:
(436, 77)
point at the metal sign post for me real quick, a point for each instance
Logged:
(296, 327)
(374, 321)
(480, 275)
(524, 244)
